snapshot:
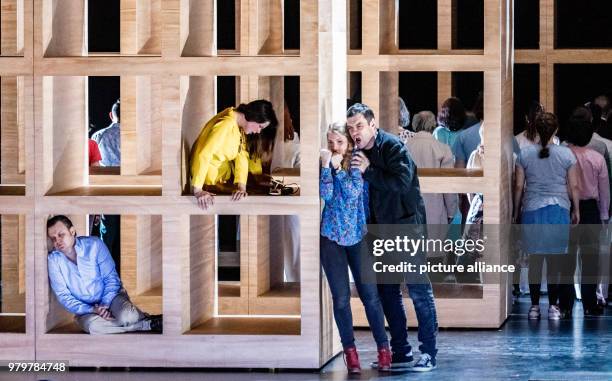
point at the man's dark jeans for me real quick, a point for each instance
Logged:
(421, 294)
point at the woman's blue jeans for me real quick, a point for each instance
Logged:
(336, 261)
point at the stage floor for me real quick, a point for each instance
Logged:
(536, 350)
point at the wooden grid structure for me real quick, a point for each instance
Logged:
(168, 63)
(547, 56)
(379, 61)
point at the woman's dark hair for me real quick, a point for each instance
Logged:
(260, 111)
(452, 114)
(59, 218)
(580, 127)
(535, 108)
(262, 144)
(546, 125)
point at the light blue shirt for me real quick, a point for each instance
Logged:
(444, 135)
(93, 280)
(109, 143)
(546, 179)
(466, 142)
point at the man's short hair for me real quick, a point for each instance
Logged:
(116, 109)
(360, 108)
(59, 218)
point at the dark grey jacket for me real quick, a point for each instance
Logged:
(395, 194)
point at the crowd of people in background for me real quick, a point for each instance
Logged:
(562, 173)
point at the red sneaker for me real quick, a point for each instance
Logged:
(352, 360)
(384, 359)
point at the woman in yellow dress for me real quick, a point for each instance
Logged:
(222, 149)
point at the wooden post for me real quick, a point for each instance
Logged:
(202, 268)
(64, 28)
(269, 26)
(140, 27)
(12, 258)
(12, 133)
(64, 132)
(12, 27)
(198, 28)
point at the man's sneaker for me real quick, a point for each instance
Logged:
(384, 359)
(398, 360)
(352, 360)
(157, 323)
(425, 364)
(554, 313)
(534, 313)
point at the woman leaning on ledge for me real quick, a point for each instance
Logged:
(222, 150)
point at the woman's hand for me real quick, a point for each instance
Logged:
(326, 156)
(240, 192)
(205, 199)
(336, 161)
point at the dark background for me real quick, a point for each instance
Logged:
(103, 25)
(580, 24)
(103, 93)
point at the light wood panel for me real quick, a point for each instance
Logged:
(12, 135)
(63, 27)
(12, 27)
(140, 26)
(64, 137)
(202, 269)
(141, 261)
(198, 28)
(12, 257)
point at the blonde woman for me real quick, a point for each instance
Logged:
(343, 226)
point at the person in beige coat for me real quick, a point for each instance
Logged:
(427, 152)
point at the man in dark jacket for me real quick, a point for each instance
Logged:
(395, 198)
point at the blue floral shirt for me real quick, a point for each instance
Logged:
(346, 205)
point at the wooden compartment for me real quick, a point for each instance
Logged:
(65, 27)
(16, 288)
(282, 91)
(63, 139)
(138, 262)
(13, 128)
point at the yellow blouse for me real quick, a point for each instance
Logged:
(219, 151)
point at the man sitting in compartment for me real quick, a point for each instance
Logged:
(83, 277)
(109, 139)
